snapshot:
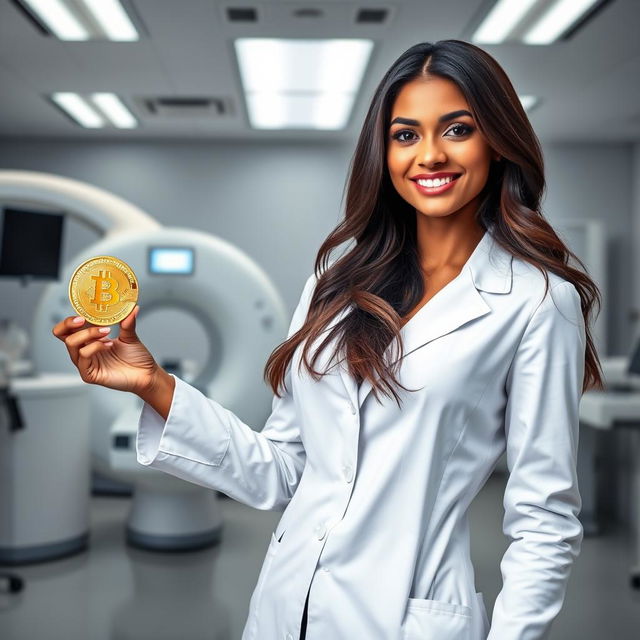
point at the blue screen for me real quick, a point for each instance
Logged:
(171, 260)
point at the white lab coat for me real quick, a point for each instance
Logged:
(375, 527)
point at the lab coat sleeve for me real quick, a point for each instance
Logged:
(541, 499)
(205, 443)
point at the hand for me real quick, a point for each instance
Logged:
(122, 363)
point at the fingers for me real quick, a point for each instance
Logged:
(94, 347)
(77, 340)
(69, 325)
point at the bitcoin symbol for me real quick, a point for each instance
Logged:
(110, 290)
(103, 290)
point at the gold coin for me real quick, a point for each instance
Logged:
(104, 290)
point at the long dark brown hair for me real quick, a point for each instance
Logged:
(380, 276)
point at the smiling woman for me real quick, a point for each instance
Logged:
(444, 302)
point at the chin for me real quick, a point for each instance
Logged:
(436, 214)
(433, 216)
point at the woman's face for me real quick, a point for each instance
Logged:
(429, 146)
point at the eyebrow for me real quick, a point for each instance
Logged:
(443, 118)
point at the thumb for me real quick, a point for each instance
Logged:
(128, 325)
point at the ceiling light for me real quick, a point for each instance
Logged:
(59, 19)
(300, 83)
(84, 19)
(113, 19)
(279, 111)
(112, 107)
(556, 20)
(532, 21)
(78, 109)
(500, 21)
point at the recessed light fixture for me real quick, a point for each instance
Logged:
(534, 22)
(78, 20)
(112, 107)
(113, 19)
(58, 18)
(500, 21)
(301, 83)
(560, 17)
(110, 110)
(78, 109)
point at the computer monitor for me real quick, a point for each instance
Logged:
(634, 361)
(30, 243)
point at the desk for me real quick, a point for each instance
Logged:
(44, 469)
(617, 407)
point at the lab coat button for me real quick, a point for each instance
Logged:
(288, 637)
(348, 473)
(353, 409)
(321, 530)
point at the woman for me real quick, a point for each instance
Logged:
(457, 309)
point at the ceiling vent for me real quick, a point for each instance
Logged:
(242, 14)
(186, 107)
(307, 12)
(371, 16)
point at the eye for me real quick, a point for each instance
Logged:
(465, 129)
(397, 134)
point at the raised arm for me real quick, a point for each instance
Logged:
(203, 442)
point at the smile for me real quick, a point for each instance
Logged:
(434, 187)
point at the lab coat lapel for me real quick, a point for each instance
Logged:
(487, 269)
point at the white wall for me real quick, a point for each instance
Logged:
(593, 181)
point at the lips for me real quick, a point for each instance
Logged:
(429, 191)
(433, 176)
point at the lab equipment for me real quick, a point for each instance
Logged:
(221, 287)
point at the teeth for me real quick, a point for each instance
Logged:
(438, 182)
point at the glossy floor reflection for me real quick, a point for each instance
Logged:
(115, 592)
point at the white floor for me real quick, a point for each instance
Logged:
(115, 592)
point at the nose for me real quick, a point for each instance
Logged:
(430, 153)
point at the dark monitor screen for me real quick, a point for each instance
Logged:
(30, 243)
(634, 362)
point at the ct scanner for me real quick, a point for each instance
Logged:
(243, 317)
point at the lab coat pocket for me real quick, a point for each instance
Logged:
(436, 620)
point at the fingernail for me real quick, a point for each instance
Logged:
(108, 344)
(78, 320)
(104, 330)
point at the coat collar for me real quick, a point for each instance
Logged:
(488, 269)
